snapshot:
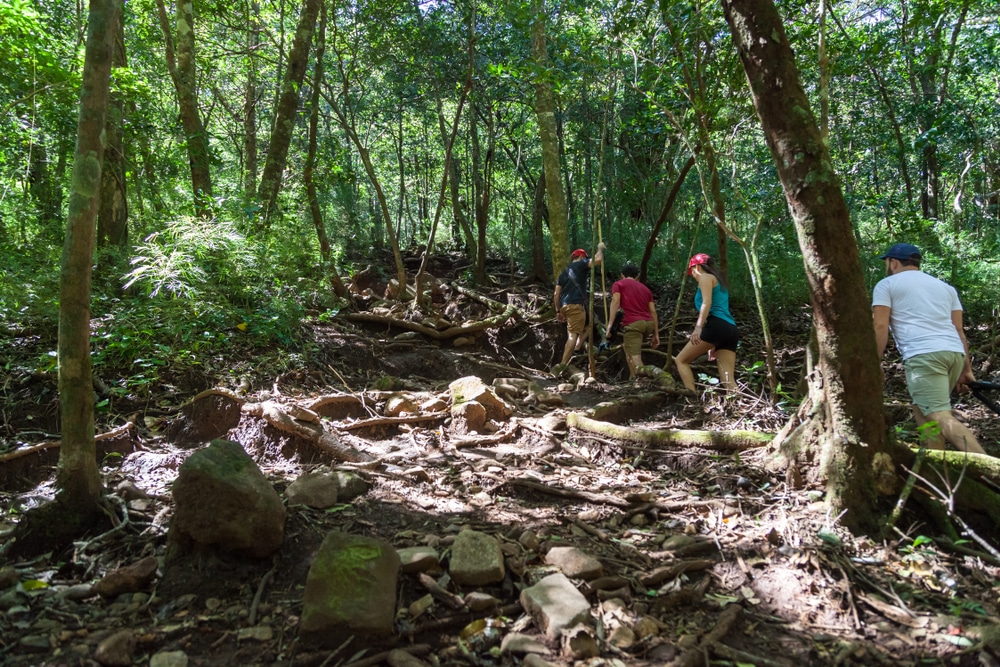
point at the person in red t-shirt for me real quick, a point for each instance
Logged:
(639, 321)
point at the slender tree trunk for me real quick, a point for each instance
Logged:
(281, 137)
(250, 109)
(538, 215)
(314, 208)
(845, 430)
(545, 109)
(112, 216)
(667, 206)
(181, 64)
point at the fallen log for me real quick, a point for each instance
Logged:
(722, 441)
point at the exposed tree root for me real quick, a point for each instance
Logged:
(695, 657)
(723, 441)
(127, 429)
(314, 433)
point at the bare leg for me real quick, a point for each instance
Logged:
(633, 364)
(571, 343)
(727, 368)
(952, 430)
(684, 359)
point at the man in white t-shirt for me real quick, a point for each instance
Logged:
(925, 316)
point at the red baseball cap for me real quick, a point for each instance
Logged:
(697, 260)
(579, 252)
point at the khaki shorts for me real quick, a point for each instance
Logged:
(633, 336)
(930, 377)
(576, 318)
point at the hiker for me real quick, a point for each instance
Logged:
(715, 330)
(925, 316)
(639, 320)
(571, 298)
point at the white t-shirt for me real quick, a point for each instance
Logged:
(921, 312)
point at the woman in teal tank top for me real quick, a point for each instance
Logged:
(715, 330)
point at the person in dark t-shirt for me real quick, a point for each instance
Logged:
(571, 298)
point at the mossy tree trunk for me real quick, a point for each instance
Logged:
(284, 124)
(845, 428)
(545, 110)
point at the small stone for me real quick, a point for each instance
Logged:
(521, 644)
(169, 659)
(261, 633)
(418, 559)
(528, 540)
(477, 601)
(116, 650)
(128, 579)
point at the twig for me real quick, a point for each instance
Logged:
(252, 618)
(907, 488)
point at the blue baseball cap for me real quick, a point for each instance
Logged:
(901, 251)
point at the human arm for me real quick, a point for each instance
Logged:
(656, 326)
(559, 315)
(880, 319)
(599, 256)
(967, 375)
(705, 285)
(616, 303)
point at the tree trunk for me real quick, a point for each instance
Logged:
(667, 206)
(314, 208)
(538, 215)
(181, 64)
(112, 216)
(284, 124)
(78, 481)
(545, 109)
(250, 109)
(846, 425)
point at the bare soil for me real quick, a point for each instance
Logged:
(772, 580)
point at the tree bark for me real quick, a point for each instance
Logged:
(112, 216)
(667, 206)
(846, 424)
(250, 109)
(284, 124)
(181, 65)
(545, 110)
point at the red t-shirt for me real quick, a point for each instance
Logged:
(635, 300)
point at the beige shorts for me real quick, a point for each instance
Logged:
(576, 318)
(930, 378)
(634, 334)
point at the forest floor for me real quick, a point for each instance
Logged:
(707, 557)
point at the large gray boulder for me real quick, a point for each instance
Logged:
(350, 588)
(223, 500)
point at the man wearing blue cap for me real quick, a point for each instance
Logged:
(925, 316)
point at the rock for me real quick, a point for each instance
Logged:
(222, 499)
(646, 627)
(555, 605)
(477, 601)
(313, 489)
(77, 592)
(400, 658)
(8, 577)
(520, 644)
(574, 563)
(469, 417)
(260, 633)
(399, 404)
(350, 588)
(476, 559)
(128, 579)
(116, 650)
(351, 485)
(169, 659)
(535, 660)
(472, 388)
(36, 643)
(434, 404)
(580, 643)
(528, 540)
(622, 637)
(418, 559)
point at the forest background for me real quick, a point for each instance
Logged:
(257, 152)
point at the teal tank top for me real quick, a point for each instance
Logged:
(720, 303)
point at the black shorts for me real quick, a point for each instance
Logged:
(720, 333)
